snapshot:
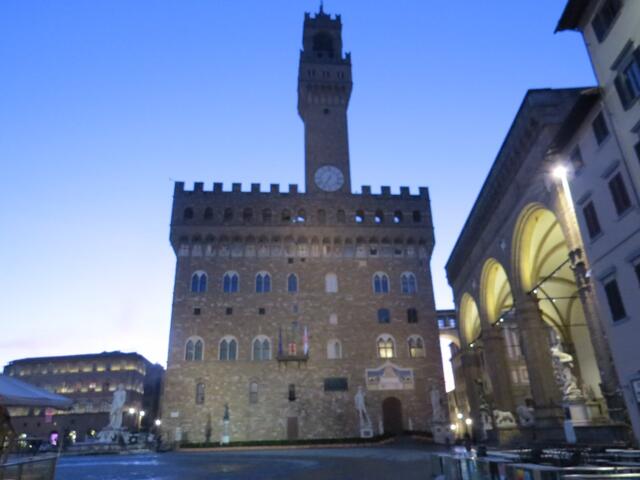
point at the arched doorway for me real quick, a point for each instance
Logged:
(392, 416)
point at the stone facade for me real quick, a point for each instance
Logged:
(334, 242)
(90, 381)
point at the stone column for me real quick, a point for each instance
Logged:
(470, 361)
(546, 393)
(609, 383)
(497, 364)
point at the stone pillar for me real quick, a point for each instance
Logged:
(497, 364)
(547, 397)
(609, 383)
(470, 361)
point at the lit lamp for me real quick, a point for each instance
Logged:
(560, 172)
(468, 421)
(158, 422)
(132, 411)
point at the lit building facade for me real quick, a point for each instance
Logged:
(600, 146)
(286, 303)
(533, 348)
(90, 381)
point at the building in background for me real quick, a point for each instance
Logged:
(599, 145)
(287, 303)
(533, 347)
(90, 381)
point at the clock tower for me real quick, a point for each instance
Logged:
(324, 88)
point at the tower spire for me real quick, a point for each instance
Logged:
(321, 6)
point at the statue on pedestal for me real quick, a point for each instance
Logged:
(562, 366)
(437, 413)
(117, 408)
(365, 422)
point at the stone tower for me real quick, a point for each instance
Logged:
(324, 88)
(287, 304)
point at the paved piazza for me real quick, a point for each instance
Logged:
(398, 460)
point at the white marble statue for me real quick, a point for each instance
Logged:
(365, 421)
(436, 404)
(117, 408)
(525, 415)
(504, 419)
(563, 365)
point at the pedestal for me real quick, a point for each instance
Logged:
(224, 439)
(441, 432)
(366, 432)
(579, 413)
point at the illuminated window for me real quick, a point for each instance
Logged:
(230, 282)
(416, 346)
(408, 283)
(386, 346)
(199, 282)
(380, 283)
(263, 282)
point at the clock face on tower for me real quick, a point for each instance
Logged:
(329, 178)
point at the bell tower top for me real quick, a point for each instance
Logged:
(324, 89)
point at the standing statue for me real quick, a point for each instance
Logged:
(117, 407)
(363, 416)
(436, 404)
(526, 416)
(562, 366)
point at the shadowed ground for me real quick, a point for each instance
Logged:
(401, 459)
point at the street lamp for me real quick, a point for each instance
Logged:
(158, 422)
(560, 172)
(132, 411)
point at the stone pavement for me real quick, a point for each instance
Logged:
(402, 459)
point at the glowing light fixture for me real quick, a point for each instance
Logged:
(453, 427)
(132, 410)
(560, 172)
(460, 416)
(142, 413)
(468, 421)
(158, 422)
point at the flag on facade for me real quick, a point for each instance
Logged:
(305, 341)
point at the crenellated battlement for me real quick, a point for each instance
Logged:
(292, 189)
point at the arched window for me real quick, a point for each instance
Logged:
(379, 217)
(266, 215)
(230, 282)
(408, 283)
(292, 283)
(341, 216)
(397, 216)
(322, 217)
(380, 282)
(417, 216)
(194, 350)
(331, 283)
(323, 45)
(334, 349)
(263, 282)
(247, 215)
(386, 346)
(228, 349)
(384, 316)
(228, 215)
(208, 213)
(412, 315)
(261, 348)
(416, 346)
(199, 282)
(199, 393)
(253, 392)
(301, 217)
(188, 213)
(359, 218)
(286, 216)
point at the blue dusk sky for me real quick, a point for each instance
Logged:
(104, 104)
